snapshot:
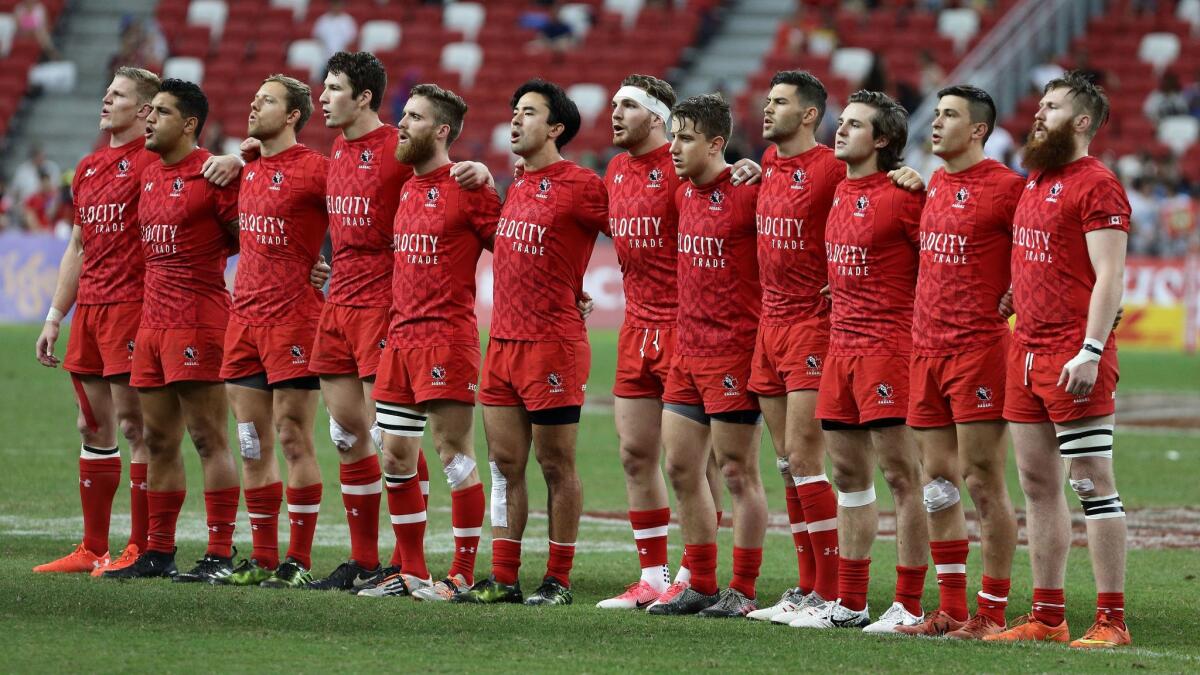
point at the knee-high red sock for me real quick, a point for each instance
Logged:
(506, 560)
(423, 475)
(304, 503)
(992, 599)
(99, 477)
(221, 509)
(1049, 606)
(746, 563)
(1111, 605)
(466, 518)
(685, 570)
(854, 577)
(820, 517)
(702, 561)
(910, 582)
(362, 488)
(650, 537)
(263, 503)
(407, 508)
(558, 565)
(164, 510)
(139, 512)
(805, 563)
(950, 561)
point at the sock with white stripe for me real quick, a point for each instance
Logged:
(992, 600)
(263, 505)
(650, 537)
(407, 508)
(99, 477)
(362, 488)
(303, 505)
(820, 518)
(950, 561)
(466, 516)
(1049, 606)
(806, 565)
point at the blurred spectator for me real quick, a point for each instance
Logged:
(6, 206)
(1167, 100)
(1082, 62)
(931, 73)
(1000, 146)
(215, 139)
(1192, 94)
(553, 34)
(41, 207)
(1178, 221)
(335, 29)
(26, 178)
(876, 78)
(805, 33)
(142, 45)
(31, 20)
(1143, 217)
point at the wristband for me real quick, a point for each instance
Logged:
(1094, 347)
(54, 315)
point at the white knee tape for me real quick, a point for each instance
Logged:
(458, 470)
(1094, 441)
(1082, 485)
(781, 463)
(853, 499)
(342, 440)
(499, 497)
(398, 420)
(248, 441)
(940, 494)
(377, 437)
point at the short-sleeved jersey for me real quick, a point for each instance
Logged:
(793, 204)
(364, 186)
(105, 193)
(1052, 274)
(871, 247)
(966, 238)
(720, 297)
(642, 221)
(544, 239)
(281, 214)
(440, 229)
(185, 240)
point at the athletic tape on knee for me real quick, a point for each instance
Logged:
(805, 480)
(398, 420)
(1082, 485)
(458, 470)
(781, 463)
(342, 440)
(1094, 441)
(939, 495)
(377, 437)
(1099, 508)
(853, 499)
(499, 497)
(248, 440)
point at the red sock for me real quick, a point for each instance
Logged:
(407, 508)
(506, 560)
(804, 555)
(1111, 605)
(1049, 605)
(683, 561)
(139, 513)
(650, 536)
(820, 516)
(910, 582)
(362, 486)
(164, 510)
(221, 506)
(263, 505)
(423, 475)
(853, 578)
(466, 519)
(304, 504)
(746, 563)
(950, 561)
(992, 599)
(702, 562)
(558, 566)
(99, 477)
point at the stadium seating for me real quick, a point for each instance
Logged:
(379, 35)
(18, 55)
(184, 68)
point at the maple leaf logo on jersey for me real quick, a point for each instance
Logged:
(556, 383)
(176, 187)
(277, 180)
(861, 204)
(656, 177)
(730, 383)
(1055, 191)
(813, 363)
(884, 391)
(543, 188)
(984, 394)
(432, 195)
(297, 354)
(438, 373)
(122, 168)
(715, 199)
(366, 156)
(799, 178)
(382, 343)
(961, 195)
(190, 356)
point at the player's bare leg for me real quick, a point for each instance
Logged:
(348, 400)
(554, 439)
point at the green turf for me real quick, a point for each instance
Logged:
(52, 624)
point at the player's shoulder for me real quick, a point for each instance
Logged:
(1094, 171)
(618, 162)
(311, 157)
(770, 156)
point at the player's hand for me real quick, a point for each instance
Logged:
(250, 149)
(221, 170)
(825, 291)
(1079, 374)
(907, 177)
(1006, 305)
(45, 345)
(320, 273)
(746, 172)
(471, 175)
(585, 305)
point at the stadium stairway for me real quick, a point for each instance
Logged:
(743, 37)
(66, 124)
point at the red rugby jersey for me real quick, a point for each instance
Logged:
(281, 213)
(544, 239)
(185, 241)
(440, 230)
(105, 194)
(1052, 275)
(966, 238)
(720, 297)
(642, 221)
(793, 205)
(871, 250)
(364, 186)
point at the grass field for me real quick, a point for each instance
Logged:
(61, 623)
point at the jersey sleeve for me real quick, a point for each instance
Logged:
(1008, 193)
(318, 175)
(483, 213)
(748, 203)
(908, 214)
(591, 204)
(75, 193)
(225, 201)
(1104, 206)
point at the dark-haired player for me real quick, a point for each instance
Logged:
(538, 355)
(1068, 266)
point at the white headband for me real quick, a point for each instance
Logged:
(644, 99)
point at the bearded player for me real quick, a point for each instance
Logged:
(188, 230)
(429, 370)
(871, 240)
(538, 355)
(706, 396)
(960, 341)
(1068, 266)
